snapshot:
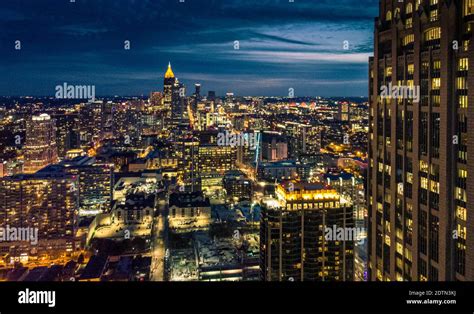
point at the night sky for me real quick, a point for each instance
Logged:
(282, 45)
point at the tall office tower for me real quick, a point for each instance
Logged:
(107, 120)
(94, 182)
(40, 146)
(127, 123)
(46, 202)
(186, 152)
(168, 86)
(178, 103)
(197, 91)
(67, 132)
(91, 123)
(419, 204)
(295, 244)
(197, 95)
(95, 185)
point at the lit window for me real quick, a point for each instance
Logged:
(424, 183)
(408, 39)
(463, 101)
(461, 194)
(463, 64)
(388, 17)
(468, 7)
(436, 83)
(461, 83)
(433, 33)
(461, 213)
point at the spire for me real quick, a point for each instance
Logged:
(169, 73)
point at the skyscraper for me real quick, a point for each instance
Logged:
(178, 104)
(197, 90)
(186, 152)
(94, 182)
(40, 147)
(67, 132)
(420, 206)
(197, 95)
(92, 123)
(175, 102)
(46, 202)
(168, 85)
(293, 235)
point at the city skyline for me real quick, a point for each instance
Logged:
(263, 143)
(281, 45)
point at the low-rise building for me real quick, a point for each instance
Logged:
(189, 211)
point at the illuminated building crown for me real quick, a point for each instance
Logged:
(169, 73)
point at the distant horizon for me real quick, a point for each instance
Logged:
(249, 47)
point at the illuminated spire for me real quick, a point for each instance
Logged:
(169, 73)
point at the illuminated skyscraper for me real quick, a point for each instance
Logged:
(186, 152)
(294, 242)
(178, 104)
(92, 119)
(421, 199)
(197, 92)
(48, 202)
(67, 134)
(40, 148)
(94, 182)
(168, 86)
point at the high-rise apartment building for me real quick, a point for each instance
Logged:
(40, 147)
(94, 182)
(421, 225)
(92, 119)
(187, 153)
(67, 132)
(47, 203)
(296, 242)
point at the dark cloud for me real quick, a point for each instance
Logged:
(281, 44)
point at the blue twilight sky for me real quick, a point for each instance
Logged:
(282, 45)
